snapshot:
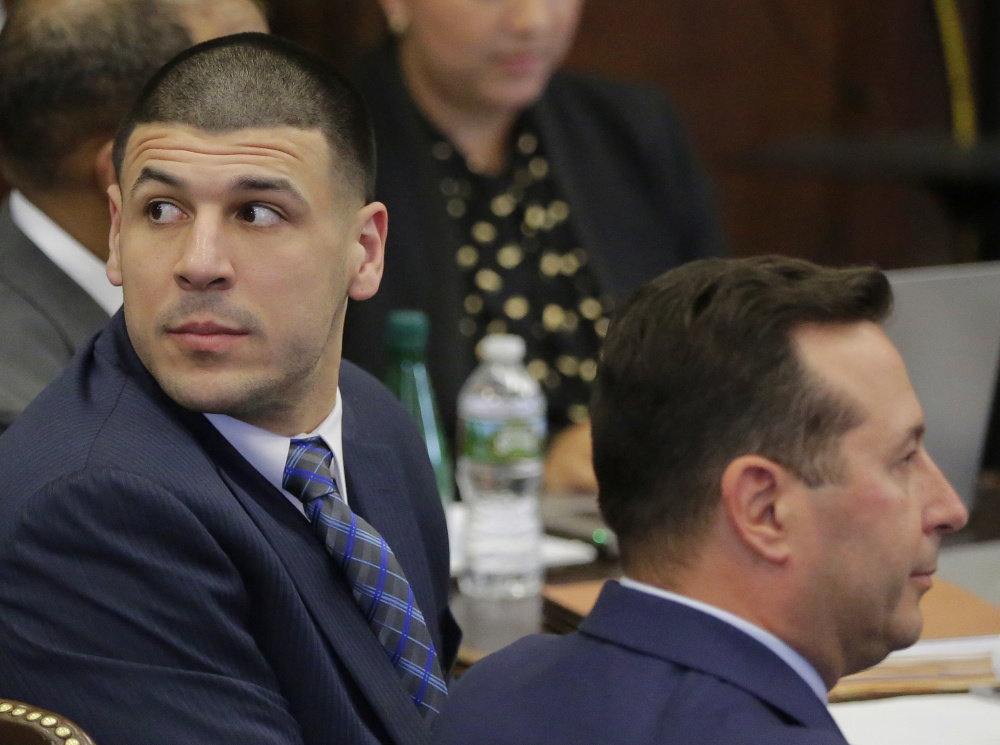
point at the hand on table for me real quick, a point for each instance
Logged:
(569, 466)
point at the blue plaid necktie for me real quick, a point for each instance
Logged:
(380, 587)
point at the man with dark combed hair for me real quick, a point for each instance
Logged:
(221, 533)
(69, 70)
(760, 455)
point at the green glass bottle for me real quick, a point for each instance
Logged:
(406, 376)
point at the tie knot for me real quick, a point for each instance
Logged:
(309, 470)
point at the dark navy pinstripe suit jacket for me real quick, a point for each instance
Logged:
(157, 589)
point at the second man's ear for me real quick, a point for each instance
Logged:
(756, 497)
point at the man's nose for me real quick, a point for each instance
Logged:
(946, 512)
(204, 261)
(530, 15)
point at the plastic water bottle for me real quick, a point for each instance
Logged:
(501, 434)
(406, 376)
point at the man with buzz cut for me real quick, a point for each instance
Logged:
(214, 529)
(760, 455)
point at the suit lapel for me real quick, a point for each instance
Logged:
(32, 274)
(701, 642)
(324, 590)
(593, 164)
(565, 153)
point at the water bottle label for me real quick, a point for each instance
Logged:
(502, 441)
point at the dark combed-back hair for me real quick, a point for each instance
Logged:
(700, 368)
(69, 71)
(254, 80)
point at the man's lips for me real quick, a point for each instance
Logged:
(522, 63)
(206, 336)
(207, 328)
(923, 577)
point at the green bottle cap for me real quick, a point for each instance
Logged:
(407, 331)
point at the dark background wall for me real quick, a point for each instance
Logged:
(748, 73)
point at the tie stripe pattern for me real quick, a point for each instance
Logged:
(378, 582)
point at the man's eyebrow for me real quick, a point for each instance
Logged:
(263, 183)
(155, 174)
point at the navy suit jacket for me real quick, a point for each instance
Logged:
(157, 589)
(641, 669)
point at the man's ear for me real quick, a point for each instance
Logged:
(104, 168)
(757, 497)
(114, 267)
(374, 226)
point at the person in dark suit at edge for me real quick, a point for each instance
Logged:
(214, 529)
(68, 71)
(523, 199)
(760, 454)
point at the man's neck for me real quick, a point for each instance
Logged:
(82, 213)
(760, 597)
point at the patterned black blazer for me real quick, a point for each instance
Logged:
(641, 205)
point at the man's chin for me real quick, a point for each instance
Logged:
(235, 398)
(906, 631)
(902, 631)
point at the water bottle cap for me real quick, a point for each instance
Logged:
(507, 348)
(407, 330)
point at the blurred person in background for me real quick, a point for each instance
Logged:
(69, 69)
(523, 200)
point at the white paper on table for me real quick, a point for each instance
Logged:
(939, 719)
(948, 649)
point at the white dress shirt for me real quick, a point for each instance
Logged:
(66, 252)
(268, 452)
(793, 659)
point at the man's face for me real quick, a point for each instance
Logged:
(237, 253)
(487, 54)
(873, 543)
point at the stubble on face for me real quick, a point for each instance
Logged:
(870, 546)
(211, 383)
(235, 296)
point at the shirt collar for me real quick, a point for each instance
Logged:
(79, 264)
(793, 659)
(268, 452)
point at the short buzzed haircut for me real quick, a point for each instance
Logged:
(252, 80)
(69, 69)
(701, 367)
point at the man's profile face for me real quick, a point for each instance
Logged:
(877, 531)
(237, 252)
